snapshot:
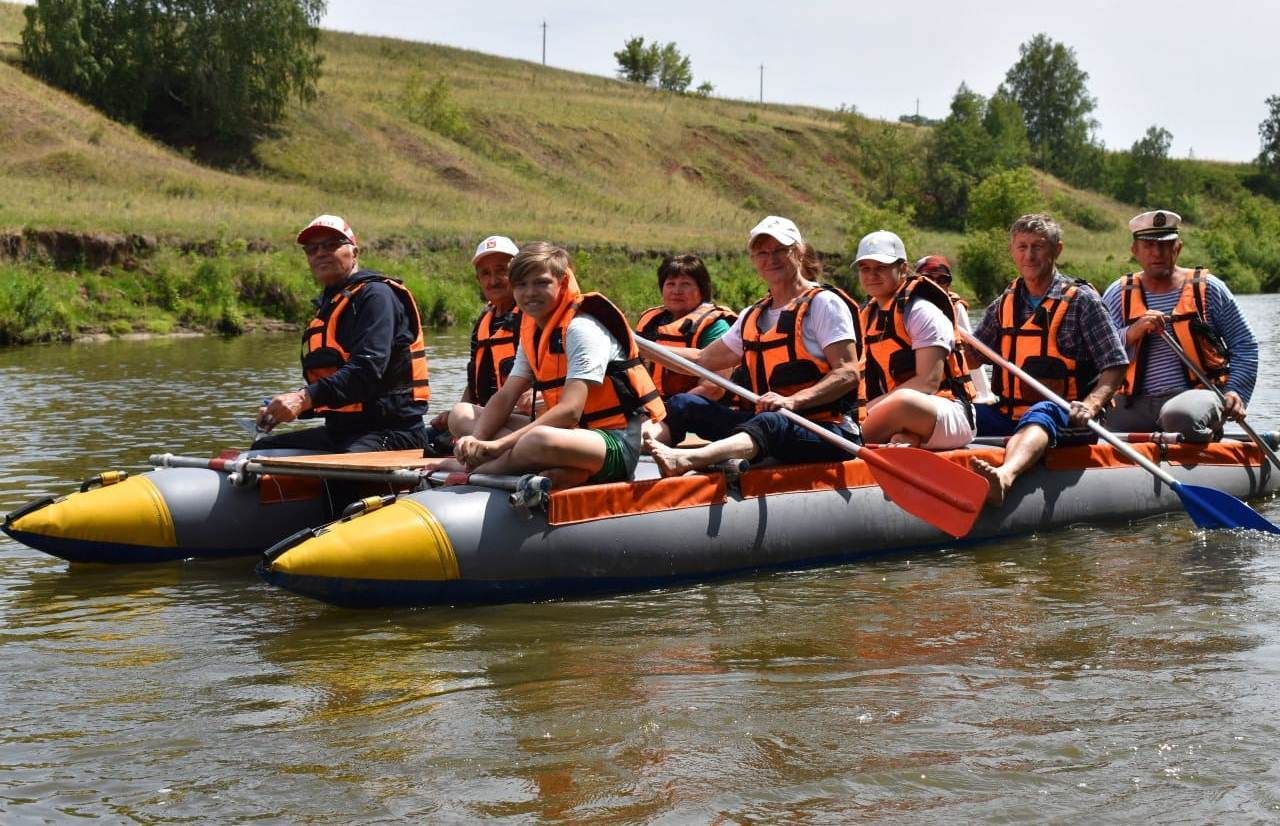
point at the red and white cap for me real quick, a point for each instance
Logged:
(495, 243)
(333, 222)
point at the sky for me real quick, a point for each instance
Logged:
(1201, 70)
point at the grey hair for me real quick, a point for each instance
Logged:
(1038, 223)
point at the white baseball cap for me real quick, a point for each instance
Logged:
(495, 243)
(882, 246)
(784, 230)
(334, 222)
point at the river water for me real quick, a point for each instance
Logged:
(1109, 672)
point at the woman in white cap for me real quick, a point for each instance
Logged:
(797, 348)
(493, 345)
(918, 390)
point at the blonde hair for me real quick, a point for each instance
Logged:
(536, 257)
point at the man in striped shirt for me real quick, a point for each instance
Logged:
(1201, 313)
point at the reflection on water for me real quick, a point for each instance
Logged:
(1107, 672)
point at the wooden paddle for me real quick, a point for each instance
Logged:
(1194, 368)
(925, 485)
(1207, 507)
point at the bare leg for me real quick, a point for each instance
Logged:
(674, 461)
(1023, 450)
(903, 411)
(464, 416)
(568, 453)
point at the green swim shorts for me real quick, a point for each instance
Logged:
(621, 453)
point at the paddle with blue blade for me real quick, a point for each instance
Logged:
(925, 485)
(1207, 507)
(1195, 369)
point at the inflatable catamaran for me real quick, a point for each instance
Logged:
(424, 537)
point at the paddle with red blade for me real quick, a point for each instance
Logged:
(946, 495)
(1207, 507)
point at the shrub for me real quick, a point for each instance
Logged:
(895, 216)
(998, 201)
(430, 106)
(1081, 214)
(984, 262)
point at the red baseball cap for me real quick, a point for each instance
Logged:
(330, 222)
(934, 264)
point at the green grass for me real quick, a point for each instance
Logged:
(425, 149)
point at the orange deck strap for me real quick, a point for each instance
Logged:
(592, 502)
(793, 478)
(1186, 454)
(275, 490)
(830, 476)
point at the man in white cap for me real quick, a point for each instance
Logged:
(493, 345)
(797, 348)
(915, 381)
(363, 356)
(1160, 392)
(1056, 329)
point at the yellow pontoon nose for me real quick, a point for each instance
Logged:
(127, 521)
(402, 542)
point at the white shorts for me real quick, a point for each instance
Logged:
(953, 428)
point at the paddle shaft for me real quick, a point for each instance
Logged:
(870, 457)
(995, 358)
(1217, 391)
(398, 477)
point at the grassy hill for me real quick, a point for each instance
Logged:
(516, 148)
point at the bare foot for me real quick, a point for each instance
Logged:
(670, 461)
(997, 486)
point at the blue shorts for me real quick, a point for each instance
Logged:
(1046, 415)
(774, 435)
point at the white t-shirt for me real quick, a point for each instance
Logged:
(589, 348)
(928, 327)
(827, 321)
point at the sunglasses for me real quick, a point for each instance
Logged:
(325, 246)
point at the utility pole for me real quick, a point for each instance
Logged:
(917, 110)
(544, 43)
(762, 83)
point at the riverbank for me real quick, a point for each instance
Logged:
(233, 289)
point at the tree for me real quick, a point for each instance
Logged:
(1050, 87)
(187, 70)
(1146, 172)
(977, 138)
(1269, 158)
(637, 62)
(674, 70)
(704, 90)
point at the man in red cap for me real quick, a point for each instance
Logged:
(363, 357)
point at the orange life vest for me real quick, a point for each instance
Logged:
(961, 305)
(493, 351)
(888, 356)
(323, 354)
(1189, 323)
(1033, 346)
(655, 324)
(627, 388)
(776, 360)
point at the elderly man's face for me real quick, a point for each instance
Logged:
(1157, 258)
(331, 256)
(491, 275)
(1034, 255)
